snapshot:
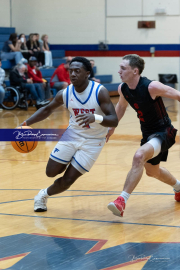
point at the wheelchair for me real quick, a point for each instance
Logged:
(15, 98)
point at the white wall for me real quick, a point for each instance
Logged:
(65, 21)
(4, 13)
(153, 66)
(83, 22)
(167, 30)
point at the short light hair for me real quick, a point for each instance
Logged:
(19, 66)
(135, 61)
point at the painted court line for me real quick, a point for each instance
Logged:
(87, 195)
(91, 220)
(99, 191)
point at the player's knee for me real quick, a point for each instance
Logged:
(154, 174)
(138, 158)
(50, 173)
(150, 174)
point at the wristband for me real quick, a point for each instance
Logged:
(98, 118)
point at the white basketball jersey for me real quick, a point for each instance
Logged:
(85, 102)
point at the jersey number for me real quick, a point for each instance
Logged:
(140, 114)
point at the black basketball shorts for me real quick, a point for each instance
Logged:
(167, 138)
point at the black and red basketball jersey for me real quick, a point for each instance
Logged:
(151, 113)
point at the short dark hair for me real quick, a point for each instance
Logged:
(86, 63)
(135, 61)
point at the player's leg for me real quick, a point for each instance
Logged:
(165, 176)
(143, 154)
(160, 173)
(60, 184)
(54, 168)
(63, 183)
(58, 161)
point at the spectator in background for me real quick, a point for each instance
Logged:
(2, 91)
(39, 41)
(24, 49)
(33, 46)
(46, 50)
(18, 77)
(92, 77)
(60, 78)
(11, 50)
(36, 75)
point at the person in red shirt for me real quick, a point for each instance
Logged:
(35, 74)
(60, 78)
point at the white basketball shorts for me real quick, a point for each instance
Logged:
(80, 152)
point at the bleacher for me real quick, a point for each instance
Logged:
(58, 59)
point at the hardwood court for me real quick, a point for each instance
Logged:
(78, 231)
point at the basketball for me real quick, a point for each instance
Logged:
(24, 146)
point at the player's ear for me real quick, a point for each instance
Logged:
(88, 74)
(135, 71)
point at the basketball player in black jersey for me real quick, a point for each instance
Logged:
(158, 135)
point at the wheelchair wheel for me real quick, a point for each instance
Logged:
(11, 98)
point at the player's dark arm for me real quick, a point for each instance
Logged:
(44, 112)
(110, 118)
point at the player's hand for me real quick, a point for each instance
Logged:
(110, 133)
(85, 119)
(23, 124)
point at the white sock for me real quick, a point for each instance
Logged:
(177, 186)
(44, 192)
(125, 195)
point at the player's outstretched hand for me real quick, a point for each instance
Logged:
(110, 132)
(85, 119)
(23, 124)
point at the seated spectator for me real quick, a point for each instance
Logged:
(47, 52)
(36, 75)
(2, 91)
(92, 77)
(38, 40)
(18, 77)
(11, 50)
(24, 50)
(60, 78)
(33, 45)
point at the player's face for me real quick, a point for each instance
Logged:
(78, 75)
(126, 72)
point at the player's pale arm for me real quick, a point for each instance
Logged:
(158, 89)
(121, 105)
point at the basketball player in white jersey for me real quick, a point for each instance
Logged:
(91, 113)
